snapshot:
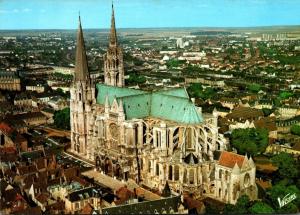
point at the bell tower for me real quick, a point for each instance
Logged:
(113, 59)
(82, 98)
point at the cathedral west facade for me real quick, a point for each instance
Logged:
(152, 137)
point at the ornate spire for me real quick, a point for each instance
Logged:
(81, 64)
(113, 33)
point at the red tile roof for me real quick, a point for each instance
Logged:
(42, 197)
(229, 159)
(87, 209)
(8, 150)
(123, 194)
(5, 128)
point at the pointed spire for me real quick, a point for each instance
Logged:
(113, 33)
(236, 169)
(251, 162)
(81, 64)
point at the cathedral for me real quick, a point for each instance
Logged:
(153, 137)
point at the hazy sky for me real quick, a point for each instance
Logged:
(62, 14)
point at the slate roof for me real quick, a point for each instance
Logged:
(89, 192)
(173, 105)
(146, 207)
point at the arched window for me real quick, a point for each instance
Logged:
(157, 169)
(247, 179)
(191, 176)
(176, 173)
(158, 139)
(141, 163)
(149, 166)
(185, 176)
(170, 173)
(117, 77)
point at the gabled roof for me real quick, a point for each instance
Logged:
(173, 105)
(229, 159)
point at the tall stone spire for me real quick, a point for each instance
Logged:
(81, 64)
(113, 33)
(113, 59)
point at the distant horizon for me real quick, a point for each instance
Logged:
(136, 14)
(137, 28)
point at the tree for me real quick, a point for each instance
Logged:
(195, 90)
(241, 206)
(135, 79)
(280, 190)
(62, 119)
(295, 129)
(208, 93)
(254, 88)
(250, 140)
(261, 208)
(287, 166)
(174, 63)
(285, 95)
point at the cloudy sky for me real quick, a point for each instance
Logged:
(62, 14)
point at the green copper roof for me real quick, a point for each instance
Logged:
(173, 104)
(112, 92)
(174, 108)
(179, 92)
(137, 106)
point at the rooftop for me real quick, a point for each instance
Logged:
(229, 159)
(173, 104)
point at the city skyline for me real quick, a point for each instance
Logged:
(53, 14)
